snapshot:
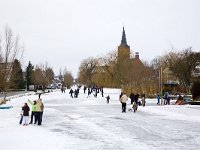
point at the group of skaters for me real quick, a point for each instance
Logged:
(180, 99)
(95, 90)
(74, 93)
(37, 108)
(123, 98)
(166, 99)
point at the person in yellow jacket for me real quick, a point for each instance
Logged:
(39, 110)
(123, 100)
(33, 110)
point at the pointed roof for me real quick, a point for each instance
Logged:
(123, 41)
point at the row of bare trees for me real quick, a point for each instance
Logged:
(140, 78)
(107, 71)
(11, 73)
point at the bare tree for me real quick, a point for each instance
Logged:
(87, 70)
(43, 75)
(182, 64)
(10, 49)
(49, 74)
(106, 71)
(68, 78)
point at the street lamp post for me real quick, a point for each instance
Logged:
(161, 84)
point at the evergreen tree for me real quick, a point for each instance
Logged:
(29, 75)
(16, 78)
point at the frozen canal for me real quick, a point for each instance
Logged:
(90, 123)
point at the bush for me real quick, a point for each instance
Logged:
(195, 90)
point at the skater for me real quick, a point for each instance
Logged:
(33, 110)
(158, 98)
(135, 106)
(25, 110)
(143, 100)
(108, 99)
(123, 100)
(132, 98)
(168, 100)
(88, 92)
(71, 93)
(136, 98)
(95, 92)
(102, 92)
(75, 93)
(84, 89)
(166, 95)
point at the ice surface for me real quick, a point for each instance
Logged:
(90, 123)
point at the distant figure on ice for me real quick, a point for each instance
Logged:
(166, 99)
(63, 89)
(123, 100)
(136, 99)
(108, 99)
(84, 89)
(95, 92)
(143, 100)
(71, 93)
(76, 92)
(102, 92)
(25, 114)
(158, 99)
(89, 92)
(132, 97)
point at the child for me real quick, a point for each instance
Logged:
(25, 114)
(158, 98)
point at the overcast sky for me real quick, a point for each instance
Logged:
(64, 32)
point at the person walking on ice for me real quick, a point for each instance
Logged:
(123, 100)
(108, 99)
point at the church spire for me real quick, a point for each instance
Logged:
(123, 41)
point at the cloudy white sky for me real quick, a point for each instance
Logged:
(64, 32)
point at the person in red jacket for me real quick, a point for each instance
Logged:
(25, 110)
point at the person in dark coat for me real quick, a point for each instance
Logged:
(89, 92)
(25, 110)
(84, 89)
(136, 97)
(102, 92)
(132, 98)
(108, 99)
(71, 93)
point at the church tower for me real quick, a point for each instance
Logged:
(123, 49)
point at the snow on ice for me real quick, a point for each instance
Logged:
(90, 123)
